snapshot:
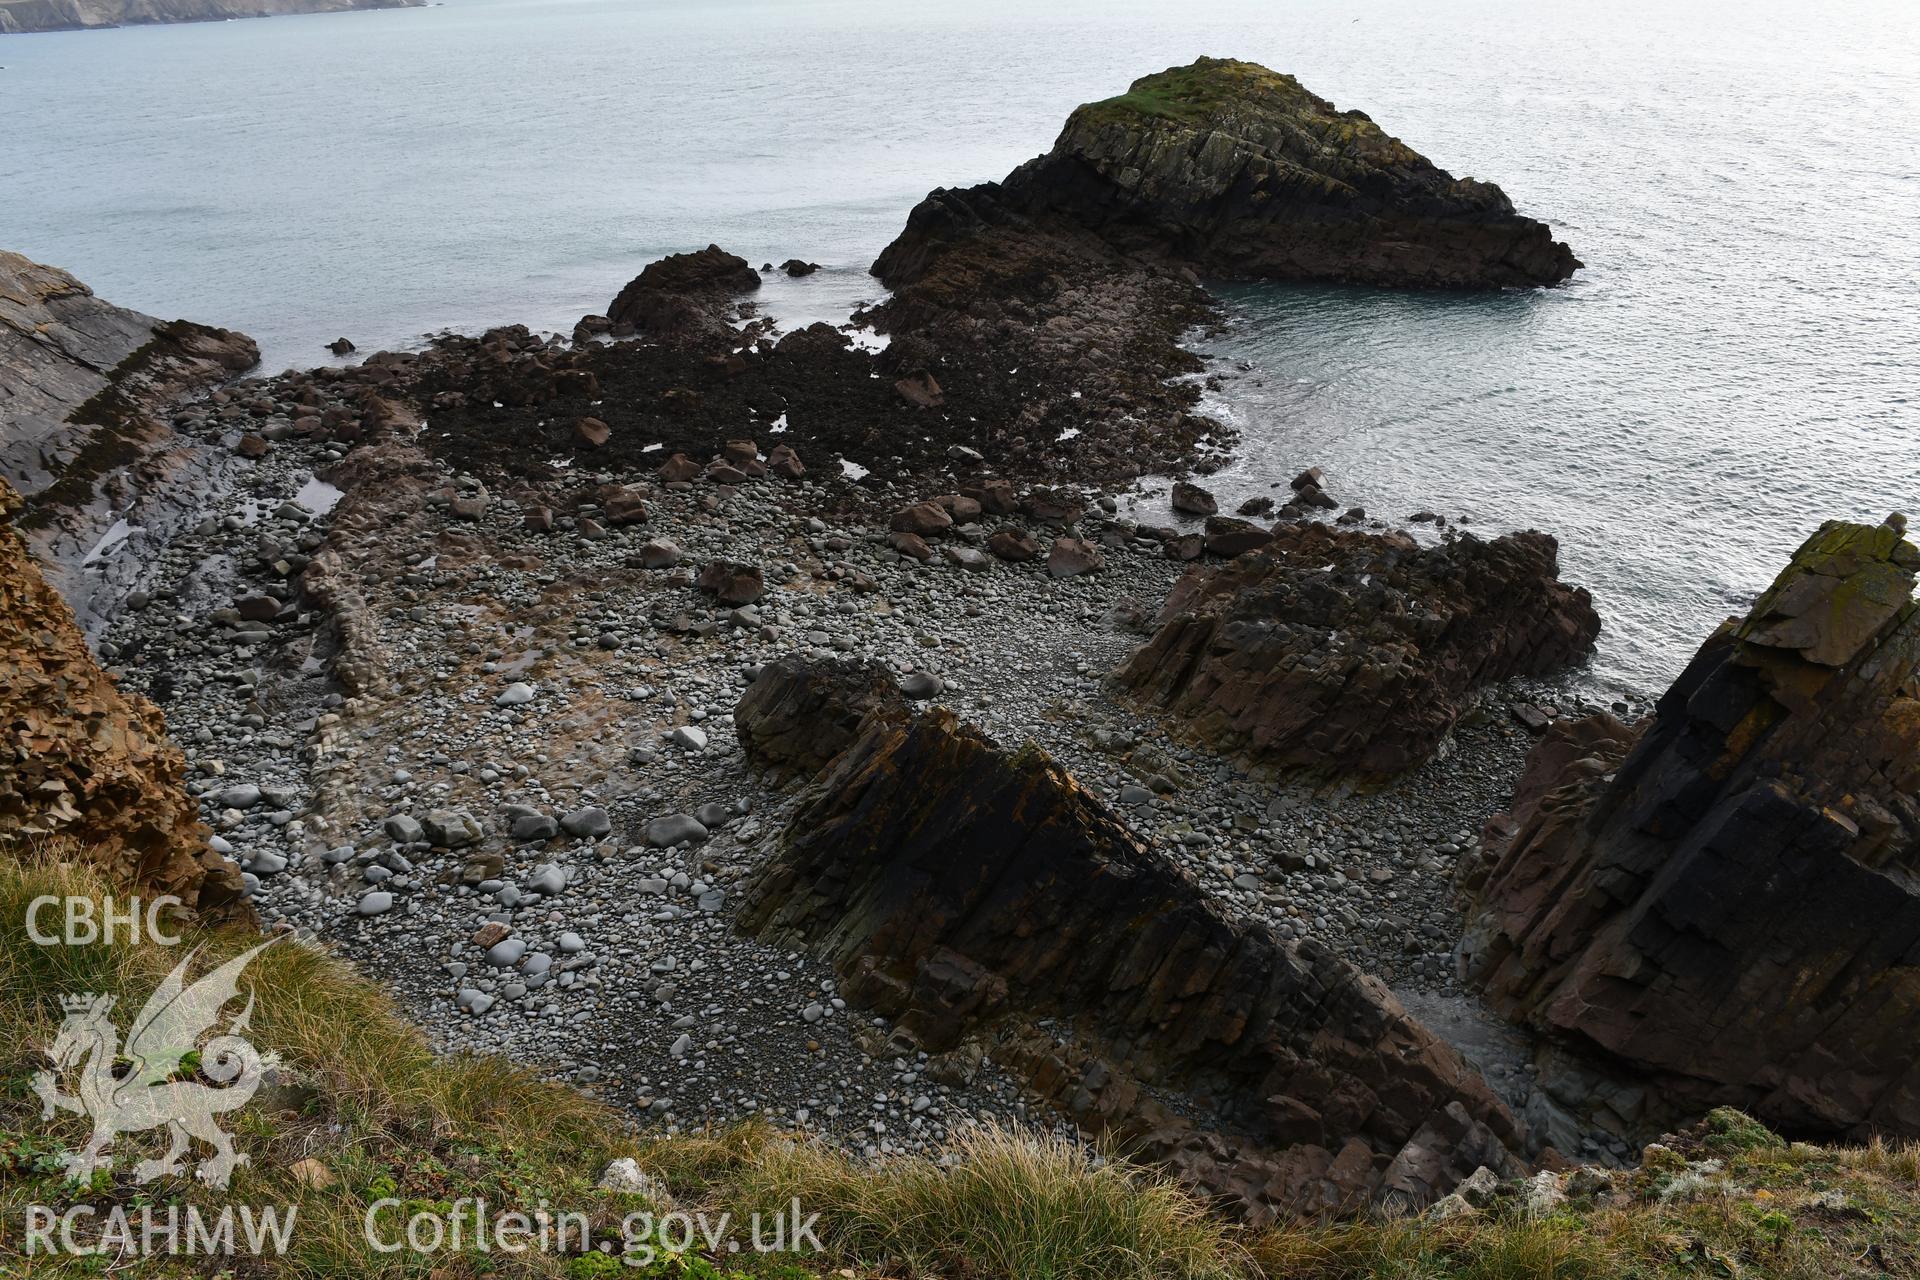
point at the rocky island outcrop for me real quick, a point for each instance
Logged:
(987, 903)
(1339, 651)
(1722, 904)
(1238, 171)
(73, 15)
(1086, 261)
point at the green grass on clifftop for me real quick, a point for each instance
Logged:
(364, 1110)
(1194, 93)
(1240, 96)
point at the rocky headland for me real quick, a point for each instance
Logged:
(746, 724)
(1089, 259)
(76, 15)
(1236, 171)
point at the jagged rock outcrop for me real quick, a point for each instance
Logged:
(85, 392)
(67, 15)
(86, 771)
(1239, 171)
(799, 713)
(1333, 650)
(684, 296)
(1732, 911)
(987, 903)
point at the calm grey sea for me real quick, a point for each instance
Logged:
(1737, 362)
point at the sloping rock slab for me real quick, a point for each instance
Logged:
(1345, 652)
(73, 366)
(800, 712)
(1734, 908)
(86, 390)
(970, 893)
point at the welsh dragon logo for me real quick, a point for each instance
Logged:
(164, 1076)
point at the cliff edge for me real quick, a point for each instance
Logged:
(86, 769)
(18, 16)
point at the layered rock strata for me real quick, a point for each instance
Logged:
(86, 771)
(801, 713)
(86, 389)
(1725, 904)
(986, 902)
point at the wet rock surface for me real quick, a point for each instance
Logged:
(1718, 906)
(1334, 650)
(85, 388)
(987, 903)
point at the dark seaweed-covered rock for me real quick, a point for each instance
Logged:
(984, 900)
(1728, 908)
(684, 296)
